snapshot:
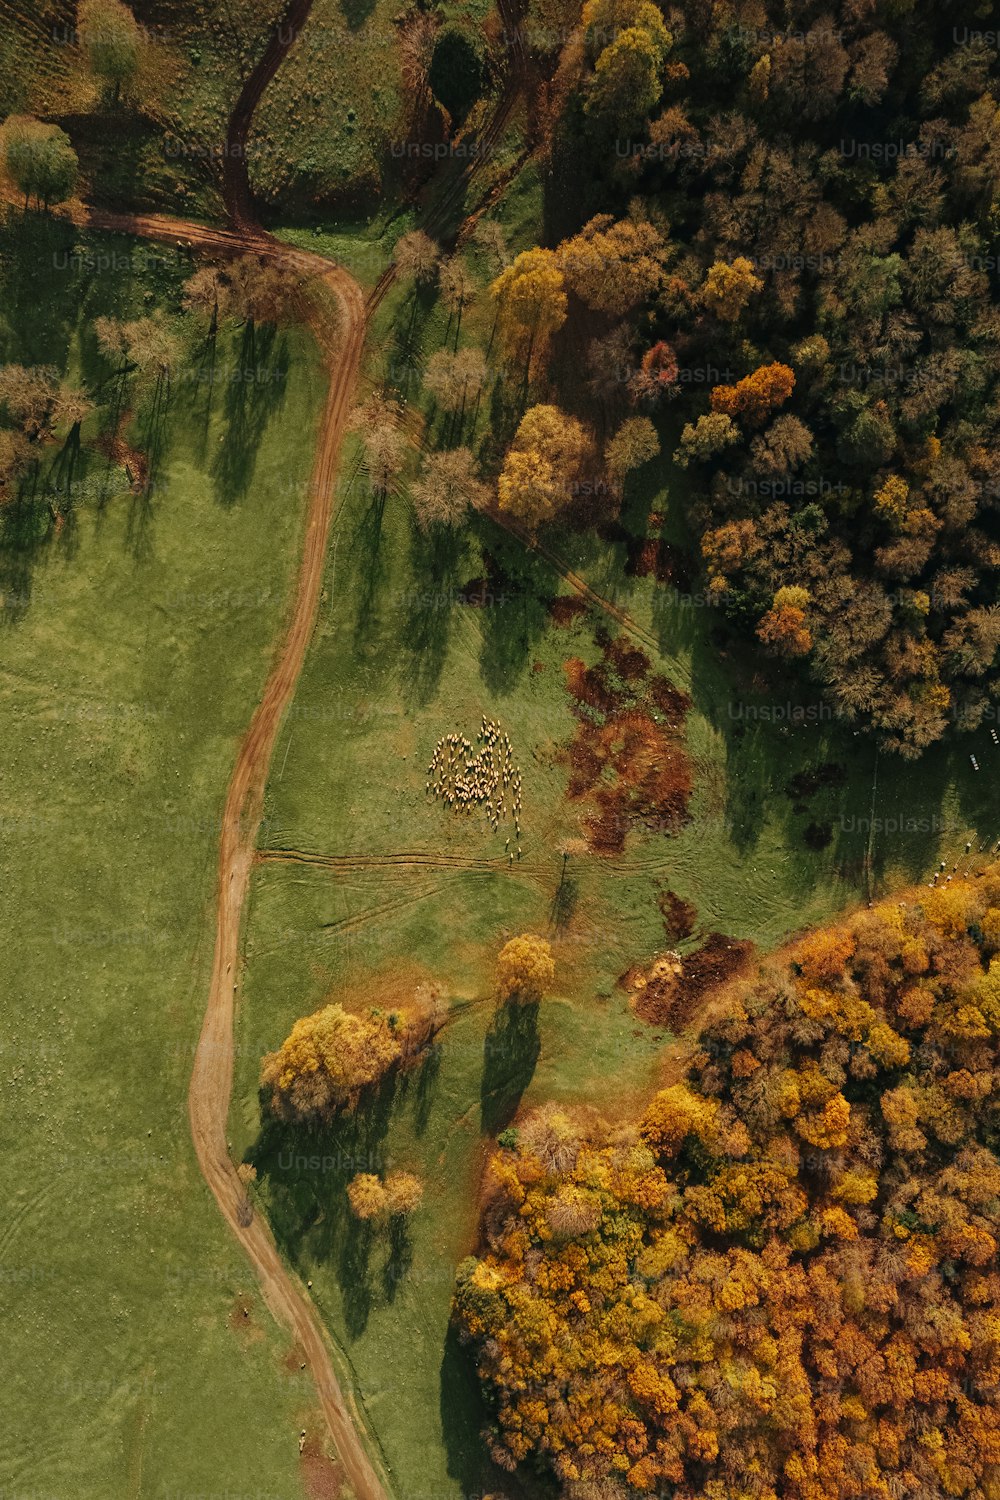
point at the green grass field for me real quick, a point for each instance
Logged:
(135, 642)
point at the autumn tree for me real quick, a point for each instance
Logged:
(403, 1192)
(36, 400)
(377, 422)
(458, 288)
(525, 968)
(110, 38)
(448, 486)
(784, 1259)
(705, 438)
(656, 377)
(39, 160)
(784, 628)
(753, 398)
(611, 266)
(147, 346)
(542, 465)
(416, 257)
(728, 288)
(633, 445)
(783, 448)
(627, 80)
(367, 1196)
(530, 295)
(15, 459)
(208, 294)
(330, 1057)
(456, 379)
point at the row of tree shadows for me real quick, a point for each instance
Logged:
(235, 380)
(305, 1176)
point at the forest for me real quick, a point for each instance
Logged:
(779, 1278)
(801, 254)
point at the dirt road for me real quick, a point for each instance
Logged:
(335, 310)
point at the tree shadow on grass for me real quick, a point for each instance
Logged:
(436, 560)
(356, 12)
(367, 551)
(464, 1416)
(425, 1087)
(41, 290)
(400, 1258)
(255, 390)
(519, 616)
(510, 1055)
(306, 1173)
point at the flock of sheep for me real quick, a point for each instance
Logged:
(464, 778)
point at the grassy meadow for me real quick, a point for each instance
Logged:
(136, 634)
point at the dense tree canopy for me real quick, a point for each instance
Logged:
(780, 1280)
(823, 310)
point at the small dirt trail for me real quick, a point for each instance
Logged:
(335, 311)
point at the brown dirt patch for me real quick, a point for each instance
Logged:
(322, 1477)
(241, 1319)
(628, 757)
(652, 555)
(671, 988)
(566, 608)
(679, 916)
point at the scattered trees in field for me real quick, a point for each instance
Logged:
(370, 1198)
(377, 423)
(39, 160)
(36, 400)
(525, 968)
(780, 1274)
(417, 257)
(456, 380)
(330, 1057)
(147, 346)
(252, 289)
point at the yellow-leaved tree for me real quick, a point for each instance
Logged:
(531, 301)
(543, 464)
(331, 1056)
(525, 968)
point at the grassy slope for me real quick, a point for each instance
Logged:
(134, 646)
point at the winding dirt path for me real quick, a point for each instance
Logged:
(335, 311)
(334, 308)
